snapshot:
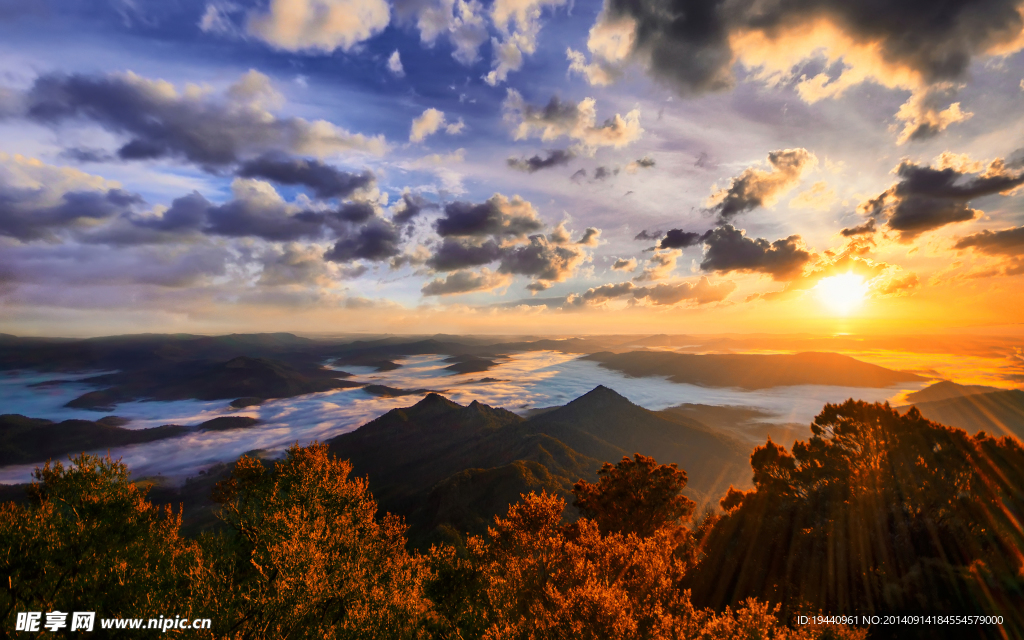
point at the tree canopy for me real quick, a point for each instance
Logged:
(635, 496)
(877, 512)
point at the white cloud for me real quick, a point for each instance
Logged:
(319, 25)
(395, 65)
(508, 56)
(609, 43)
(462, 22)
(217, 18)
(426, 124)
(430, 122)
(578, 122)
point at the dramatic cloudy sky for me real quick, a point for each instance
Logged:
(509, 165)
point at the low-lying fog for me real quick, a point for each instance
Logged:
(523, 381)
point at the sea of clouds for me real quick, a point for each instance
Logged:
(522, 382)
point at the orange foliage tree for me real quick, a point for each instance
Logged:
(308, 557)
(534, 578)
(635, 496)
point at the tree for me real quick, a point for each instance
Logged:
(308, 557)
(635, 496)
(532, 578)
(877, 512)
(90, 541)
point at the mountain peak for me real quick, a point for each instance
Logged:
(432, 400)
(601, 391)
(598, 399)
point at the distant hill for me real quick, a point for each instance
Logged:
(997, 413)
(748, 423)
(228, 423)
(469, 364)
(241, 377)
(145, 351)
(391, 392)
(24, 440)
(367, 353)
(441, 464)
(946, 389)
(753, 371)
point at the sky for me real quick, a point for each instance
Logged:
(515, 166)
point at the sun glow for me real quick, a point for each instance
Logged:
(842, 294)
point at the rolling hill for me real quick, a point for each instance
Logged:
(240, 377)
(753, 371)
(945, 389)
(25, 440)
(998, 413)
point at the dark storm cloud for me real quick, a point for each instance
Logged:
(1016, 159)
(687, 42)
(860, 230)
(464, 282)
(603, 173)
(555, 158)
(250, 214)
(377, 240)
(412, 205)
(597, 295)
(701, 292)
(558, 114)
(648, 236)
(356, 212)
(580, 175)
(591, 237)
(32, 214)
(267, 220)
(926, 198)
(453, 255)
(679, 239)
(160, 122)
(84, 155)
(1009, 242)
(543, 260)
(757, 188)
(498, 216)
(645, 162)
(728, 249)
(322, 179)
(186, 216)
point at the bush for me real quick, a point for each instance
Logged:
(90, 541)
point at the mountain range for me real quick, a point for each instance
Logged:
(445, 466)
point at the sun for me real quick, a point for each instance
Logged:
(842, 294)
